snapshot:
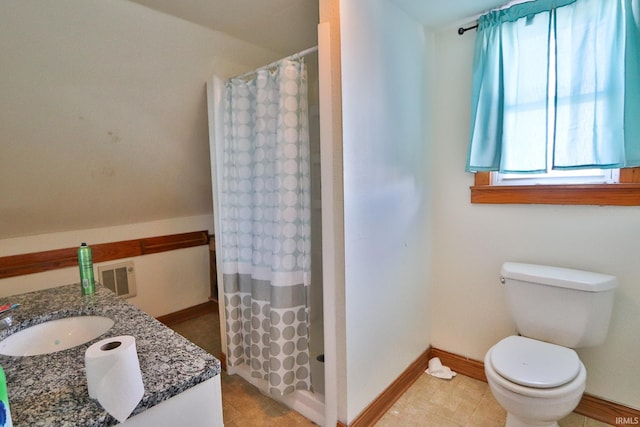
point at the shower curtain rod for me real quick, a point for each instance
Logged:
(274, 63)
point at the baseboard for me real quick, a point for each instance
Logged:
(223, 361)
(188, 313)
(590, 406)
(607, 412)
(464, 365)
(391, 394)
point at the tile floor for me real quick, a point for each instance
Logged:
(460, 402)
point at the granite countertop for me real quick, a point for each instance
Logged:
(51, 389)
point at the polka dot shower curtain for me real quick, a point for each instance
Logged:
(264, 217)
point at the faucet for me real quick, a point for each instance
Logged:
(6, 315)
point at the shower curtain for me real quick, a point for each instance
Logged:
(265, 225)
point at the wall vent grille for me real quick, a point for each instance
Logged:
(120, 278)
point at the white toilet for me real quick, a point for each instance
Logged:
(536, 376)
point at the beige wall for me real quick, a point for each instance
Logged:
(104, 136)
(166, 282)
(472, 241)
(103, 114)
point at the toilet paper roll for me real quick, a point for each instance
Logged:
(113, 375)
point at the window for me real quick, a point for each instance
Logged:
(558, 177)
(552, 119)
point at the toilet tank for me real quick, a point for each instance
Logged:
(571, 308)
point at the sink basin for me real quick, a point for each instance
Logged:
(55, 335)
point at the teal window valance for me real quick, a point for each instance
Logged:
(556, 85)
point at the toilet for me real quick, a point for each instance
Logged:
(536, 375)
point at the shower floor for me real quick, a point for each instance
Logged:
(242, 403)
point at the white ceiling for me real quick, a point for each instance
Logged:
(288, 26)
(439, 13)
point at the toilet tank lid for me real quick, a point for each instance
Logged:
(559, 276)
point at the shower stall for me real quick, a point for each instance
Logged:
(277, 347)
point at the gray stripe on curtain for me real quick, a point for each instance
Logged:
(278, 296)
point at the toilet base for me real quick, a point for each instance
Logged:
(513, 421)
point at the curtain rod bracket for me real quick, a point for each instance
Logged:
(461, 30)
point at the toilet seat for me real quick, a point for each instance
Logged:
(533, 363)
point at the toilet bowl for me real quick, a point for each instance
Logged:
(536, 376)
(537, 383)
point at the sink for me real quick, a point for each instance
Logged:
(55, 335)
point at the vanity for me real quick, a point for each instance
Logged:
(181, 380)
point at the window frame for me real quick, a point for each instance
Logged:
(559, 177)
(624, 193)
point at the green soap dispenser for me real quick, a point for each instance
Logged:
(5, 413)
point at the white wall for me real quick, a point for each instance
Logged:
(166, 282)
(472, 241)
(386, 197)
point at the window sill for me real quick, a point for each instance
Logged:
(626, 193)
